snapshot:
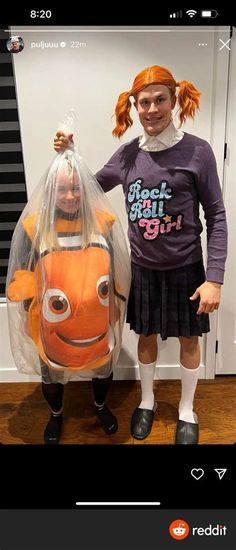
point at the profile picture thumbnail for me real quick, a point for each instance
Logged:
(15, 44)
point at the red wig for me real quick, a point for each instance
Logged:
(188, 97)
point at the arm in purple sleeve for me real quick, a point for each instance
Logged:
(210, 197)
(110, 175)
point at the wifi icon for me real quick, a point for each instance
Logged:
(191, 13)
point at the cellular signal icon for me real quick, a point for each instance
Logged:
(191, 13)
(176, 14)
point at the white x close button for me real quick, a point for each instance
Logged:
(224, 44)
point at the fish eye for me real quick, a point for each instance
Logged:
(103, 289)
(56, 306)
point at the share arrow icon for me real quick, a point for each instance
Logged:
(220, 471)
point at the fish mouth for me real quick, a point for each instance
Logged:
(82, 343)
(112, 343)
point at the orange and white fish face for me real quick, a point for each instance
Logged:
(73, 291)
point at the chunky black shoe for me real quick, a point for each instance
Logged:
(52, 431)
(187, 433)
(142, 421)
(107, 419)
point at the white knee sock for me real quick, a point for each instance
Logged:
(189, 379)
(147, 376)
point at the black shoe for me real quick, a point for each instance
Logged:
(107, 419)
(187, 433)
(52, 431)
(141, 422)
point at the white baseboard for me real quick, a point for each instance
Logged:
(12, 375)
(163, 372)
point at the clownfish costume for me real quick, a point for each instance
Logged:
(74, 302)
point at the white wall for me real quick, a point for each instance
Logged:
(226, 333)
(89, 78)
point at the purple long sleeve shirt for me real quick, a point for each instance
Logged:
(163, 190)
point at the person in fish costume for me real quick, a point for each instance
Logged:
(67, 288)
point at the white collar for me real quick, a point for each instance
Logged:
(169, 137)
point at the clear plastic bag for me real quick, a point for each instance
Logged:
(68, 277)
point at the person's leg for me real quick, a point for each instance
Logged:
(187, 427)
(100, 389)
(142, 418)
(53, 393)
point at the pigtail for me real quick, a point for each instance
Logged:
(122, 110)
(189, 100)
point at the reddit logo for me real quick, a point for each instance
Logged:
(179, 529)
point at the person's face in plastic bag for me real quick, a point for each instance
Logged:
(67, 192)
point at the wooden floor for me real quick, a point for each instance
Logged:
(24, 412)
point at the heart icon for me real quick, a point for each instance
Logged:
(197, 473)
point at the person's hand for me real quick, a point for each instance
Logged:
(209, 294)
(62, 141)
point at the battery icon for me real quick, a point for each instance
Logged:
(209, 13)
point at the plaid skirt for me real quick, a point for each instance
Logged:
(159, 301)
